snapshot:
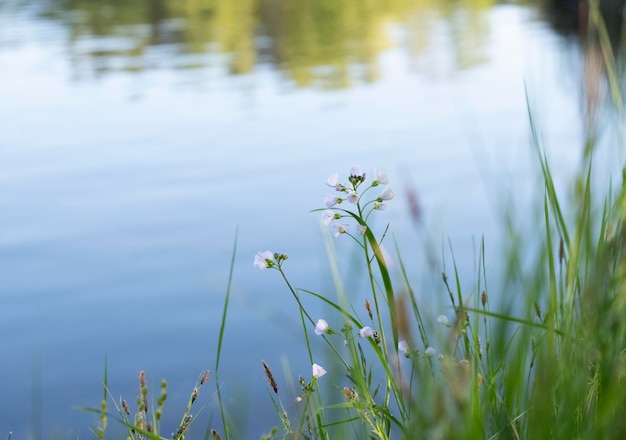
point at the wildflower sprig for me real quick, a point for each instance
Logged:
(334, 215)
(347, 206)
(269, 260)
(351, 193)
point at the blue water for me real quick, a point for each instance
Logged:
(122, 194)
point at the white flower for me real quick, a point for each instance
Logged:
(263, 260)
(328, 216)
(366, 332)
(356, 172)
(443, 319)
(387, 194)
(321, 327)
(318, 371)
(380, 206)
(353, 197)
(403, 347)
(380, 177)
(430, 352)
(341, 229)
(333, 181)
(330, 200)
(362, 229)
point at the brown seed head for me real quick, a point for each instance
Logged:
(270, 377)
(125, 407)
(205, 377)
(183, 426)
(368, 307)
(350, 394)
(194, 395)
(483, 298)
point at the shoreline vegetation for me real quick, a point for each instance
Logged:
(548, 361)
(551, 362)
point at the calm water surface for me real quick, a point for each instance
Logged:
(137, 139)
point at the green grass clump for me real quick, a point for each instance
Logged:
(550, 362)
(554, 365)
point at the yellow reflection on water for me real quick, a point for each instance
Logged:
(322, 43)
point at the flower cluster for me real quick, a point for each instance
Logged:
(352, 193)
(269, 260)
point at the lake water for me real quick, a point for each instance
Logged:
(137, 138)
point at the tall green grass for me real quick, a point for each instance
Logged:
(552, 364)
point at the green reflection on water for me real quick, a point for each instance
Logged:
(322, 43)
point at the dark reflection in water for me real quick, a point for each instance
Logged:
(327, 44)
(572, 17)
(595, 29)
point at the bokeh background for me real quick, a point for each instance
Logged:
(139, 138)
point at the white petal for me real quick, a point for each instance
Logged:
(318, 371)
(321, 327)
(355, 171)
(366, 332)
(333, 180)
(261, 257)
(340, 228)
(330, 200)
(381, 177)
(353, 197)
(442, 319)
(328, 216)
(387, 194)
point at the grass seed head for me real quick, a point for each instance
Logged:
(368, 307)
(125, 407)
(350, 394)
(183, 427)
(205, 377)
(270, 377)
